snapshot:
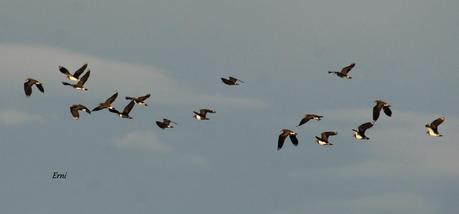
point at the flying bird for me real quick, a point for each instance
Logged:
(126, 110)
(28, 86)
(75, 109)
(432, 128)
(107, 103)
(283, 135)
(344, 71)
(166, 123)
(308, 117)
(80, 84)
(231, 80)
(323, 139)
(75, 76)
(379, 104)
(139, 100)
(360, 133)
(201, 115)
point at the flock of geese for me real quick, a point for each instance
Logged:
(359, 133)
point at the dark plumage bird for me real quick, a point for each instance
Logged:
(283, 135)
(80, 84)
(107, 103)
(166, 123)
(75, 109)
(377, 109)
(231, 80)
(201, 115)
(126, 110)
(308, 117)
(344, 71)
(28, 86)
(432, 128)
(75, 76)
(360, 133)
(323, 139)
(139, 100)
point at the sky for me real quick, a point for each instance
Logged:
(405, 52)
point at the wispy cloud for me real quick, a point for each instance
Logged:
(15, 117)
(142, 140)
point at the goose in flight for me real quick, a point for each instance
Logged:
(166, 123)
(360, 133)
(344, 71)
(28, 86)
(126, 110)
(75, 76)
(308, 117)
(107, 103)
(283, 135)
(80, 84)
(379, 104)
(75, 109)
(231, 80)
(323, 139)
(201, 115)
(432, 128)
(139, 100)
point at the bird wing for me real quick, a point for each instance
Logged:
(325, 135)
(280, 141)
(305, 119)
(128, 107)
(64, 70)
(294, 139)
(161, 124)
(28, 88)
(348, 68)
(113, 110)
(437, 122)
(387, 111)
(376, 110)
(40, 87)
(365, 126)
(74, 111)
(84, 78)
(204, 111)
(98, 108)
(111, 99)
(80, 71)
(143, 98)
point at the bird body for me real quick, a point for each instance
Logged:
(76, 75)
(283, 135)
(344, 73)
(379, 104)
(139, 100)
(202, 114)
(432, 128)
(231, 80)
(80, 84)
(166, 123)
(28, 86)
(323, 139)
(75, 109)
(360, 133)
(127, 109)
(308, 117)
(107, 103)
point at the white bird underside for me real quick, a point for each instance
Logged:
(430, 132)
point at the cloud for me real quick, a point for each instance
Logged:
(21, 61)
(142, 140)
(14, 118)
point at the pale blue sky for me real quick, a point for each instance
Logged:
(406, 53)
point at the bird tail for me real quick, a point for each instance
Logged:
(331, 72)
